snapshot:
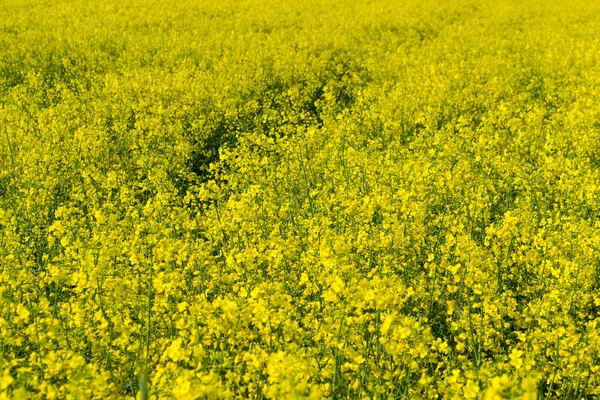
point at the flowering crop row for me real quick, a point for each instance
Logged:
(278, 199)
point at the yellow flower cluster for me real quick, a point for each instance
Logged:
(278, 199)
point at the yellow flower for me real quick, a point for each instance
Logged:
(23, 313)
(515, 358)
(6, 380)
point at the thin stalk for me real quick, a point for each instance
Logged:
(10, 149)
(335, 371)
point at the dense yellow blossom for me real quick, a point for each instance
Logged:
(299, 199)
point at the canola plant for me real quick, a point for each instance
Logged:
(279, 199)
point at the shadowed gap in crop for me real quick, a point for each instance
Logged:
(283, 105)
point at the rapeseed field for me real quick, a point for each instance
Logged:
(284, 199)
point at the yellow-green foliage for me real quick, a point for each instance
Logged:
(285, 199)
